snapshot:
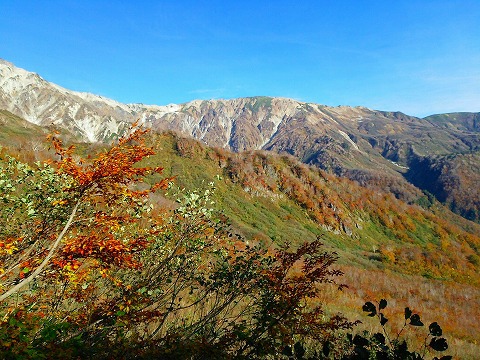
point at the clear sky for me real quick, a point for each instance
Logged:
(420, 57)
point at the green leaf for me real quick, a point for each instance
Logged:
(435, 329)
(48, 334)
(382, 305)
(12, 321)
(439, 344)
(142, 290)
(120, 313)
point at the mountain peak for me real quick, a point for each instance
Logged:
(356, 142)
(5, 62)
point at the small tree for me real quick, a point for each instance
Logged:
(64, 222)
(67, 207)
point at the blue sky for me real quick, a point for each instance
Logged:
(419, 57)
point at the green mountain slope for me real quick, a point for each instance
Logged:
(15, 130)
(27, 140)
(428, 259)
(387, 247)
(461, 121)
(277, 199)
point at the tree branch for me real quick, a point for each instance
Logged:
(45, 261)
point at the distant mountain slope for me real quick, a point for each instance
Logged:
(239, 124)
(375, 148)
(278, 199)
(89, 117)
(454, 179)
(461, 121)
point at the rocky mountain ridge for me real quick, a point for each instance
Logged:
(359, 143)
(90, 117)
(237, 124)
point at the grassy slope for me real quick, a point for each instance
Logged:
(277, 199)
(14, 130)
(401, 252)
(463, 121)
(26, 140)
(387, 248)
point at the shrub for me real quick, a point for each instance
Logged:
(383, 345)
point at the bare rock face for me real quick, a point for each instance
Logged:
(356, 142)
(278, 124)
(89, 117)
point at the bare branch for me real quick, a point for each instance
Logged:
(45, 261)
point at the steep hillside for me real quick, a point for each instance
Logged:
(275, 199)
(26, 140)
(462, 121)
(387, 248)
(378, 149)
(278, 199)
(454, 179)
(15, 130)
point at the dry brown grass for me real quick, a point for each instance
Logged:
(456, 307)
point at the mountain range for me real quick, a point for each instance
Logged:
(391, 151)
(369, 183)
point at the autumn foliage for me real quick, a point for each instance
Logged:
(92, 267)
(405, 236)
